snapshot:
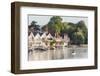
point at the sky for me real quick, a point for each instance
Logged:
(42, 20)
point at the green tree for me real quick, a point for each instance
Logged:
(78, 38)
(70, 29)
(77, 33)
(34, 26)
(81, 25)
(55, 25)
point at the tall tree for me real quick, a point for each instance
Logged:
(55, 24)
(81, 25)
(34, 26)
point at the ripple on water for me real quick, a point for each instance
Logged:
(60, 53)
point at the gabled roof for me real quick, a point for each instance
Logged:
(49, 36)
(40, 35)
(31, 36)
(37, 36)
(43, 35)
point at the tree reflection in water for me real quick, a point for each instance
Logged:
(58, 53)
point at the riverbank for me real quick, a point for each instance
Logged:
(82, 45)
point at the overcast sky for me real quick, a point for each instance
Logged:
(42, 20)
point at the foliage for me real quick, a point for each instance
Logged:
(81, 25)
(52, 42)
(55, 24)
(78, 38)
(77, 33)
(34, 26)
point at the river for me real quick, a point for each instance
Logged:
(59, 53)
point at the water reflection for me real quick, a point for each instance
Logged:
(58, 53)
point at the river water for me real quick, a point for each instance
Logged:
(58, 53)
